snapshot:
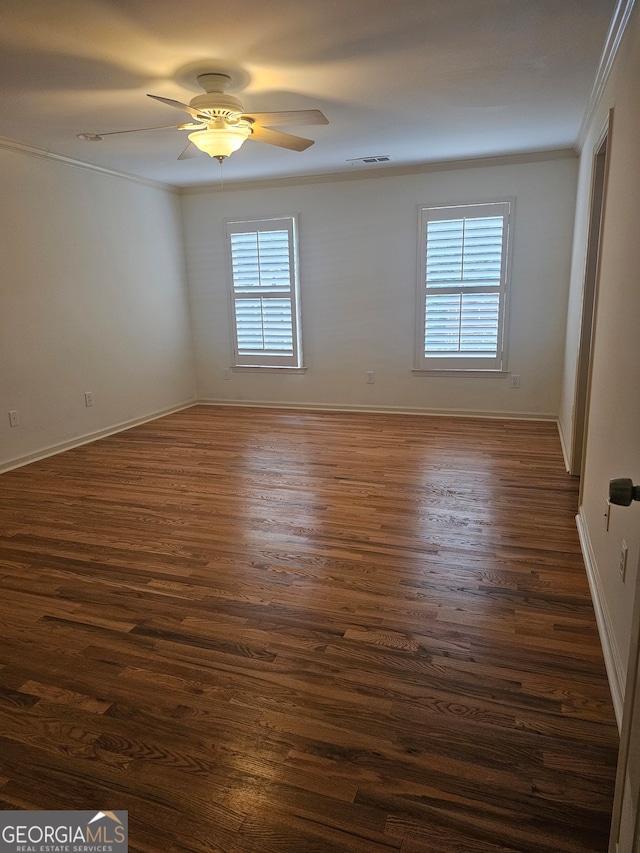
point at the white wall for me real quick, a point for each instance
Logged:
(92, 298)
(358, 258)
(613, 437)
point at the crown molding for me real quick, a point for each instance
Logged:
(385, 171)
(30, 151)
(617, 29)
(302, 180)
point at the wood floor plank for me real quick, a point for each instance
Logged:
(263, 630)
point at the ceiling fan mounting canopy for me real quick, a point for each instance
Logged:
(187, 75)
(214, 81)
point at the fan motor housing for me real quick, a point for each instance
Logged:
(218, 102)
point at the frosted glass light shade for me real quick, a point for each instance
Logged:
(221, 141)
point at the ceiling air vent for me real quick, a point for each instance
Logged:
(380, 158)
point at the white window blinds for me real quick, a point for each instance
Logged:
(264, 292)
(462, 286)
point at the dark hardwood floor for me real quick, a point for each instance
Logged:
(266, 631)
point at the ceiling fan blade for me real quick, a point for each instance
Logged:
(287, 117)
(282, 140)
(189, 151)
(177, 105)
(97, 136)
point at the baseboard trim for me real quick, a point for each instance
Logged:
(615, 668)
(52, 450)
(388, 410)
(43, 453)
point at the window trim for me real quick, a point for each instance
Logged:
(474, 365)
(264, 361)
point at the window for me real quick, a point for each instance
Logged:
(264, 293)
(462, 287)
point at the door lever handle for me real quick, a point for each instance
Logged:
(622, 491)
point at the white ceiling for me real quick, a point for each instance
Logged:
(419, 80)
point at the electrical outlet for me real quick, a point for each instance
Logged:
(515, 380)
(227, 373)
(88, 398)
(622, 565)
(371, 377)
(14, 420)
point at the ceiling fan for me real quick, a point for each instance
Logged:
(220, 124)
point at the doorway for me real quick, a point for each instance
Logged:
(587, 325)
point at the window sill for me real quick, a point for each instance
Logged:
(267, 368)
(471, 374)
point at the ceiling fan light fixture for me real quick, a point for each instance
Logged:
(219, 124)
(221, 140)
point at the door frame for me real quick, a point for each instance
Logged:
(591, 281)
